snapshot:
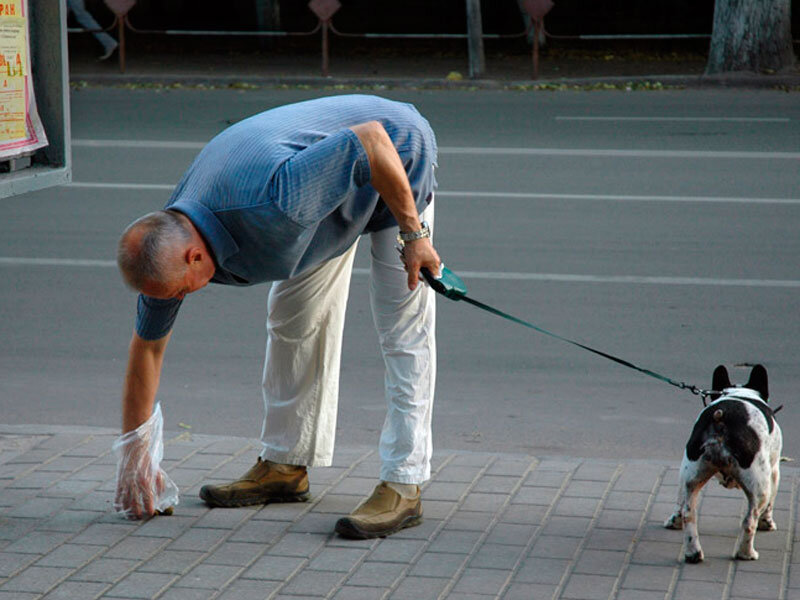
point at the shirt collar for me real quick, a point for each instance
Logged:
(221, 244)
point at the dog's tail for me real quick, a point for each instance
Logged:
(715, 450)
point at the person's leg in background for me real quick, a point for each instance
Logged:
(87, 21)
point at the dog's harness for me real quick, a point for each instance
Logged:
(449, 285)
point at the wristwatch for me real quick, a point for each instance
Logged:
(410, 236)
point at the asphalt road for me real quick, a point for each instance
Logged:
(658, 226)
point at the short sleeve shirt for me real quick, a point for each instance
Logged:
(285, 190)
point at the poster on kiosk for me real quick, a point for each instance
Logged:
(21, 130)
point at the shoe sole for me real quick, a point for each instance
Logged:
(213, 502)
(346, 529)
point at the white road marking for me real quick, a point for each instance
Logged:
(486, 151)
(496, 195)
(10, 261)
(679, 119)
(620, 153)
(121, 186)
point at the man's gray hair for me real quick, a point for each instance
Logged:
(149, 249)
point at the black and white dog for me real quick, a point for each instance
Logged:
(737, 439)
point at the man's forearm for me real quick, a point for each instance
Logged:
(141, 381)
(388, 175)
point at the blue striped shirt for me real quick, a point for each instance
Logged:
(287, 189)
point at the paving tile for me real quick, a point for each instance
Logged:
(394, 550)
(314, 523)
(644, 577)
(535, 495)
(576, 507)
(610, 539)
(496, 556)
(105, 570)
(511, 534)
(445, 490)
(691, 590)
(70, 555)
(634, 501)
(481, 502)
(525, 514)
(600, 562)
(249, 589)
(588, 587)
(585, 489)
(379, 574)
(224, 518)
(543, 570)
(625, 594)
(298, 544)
(141, 585)
(469, 521)
(36, 579)
(237, 554)
(37, 542)
(277, 568)
(555, 547)
(74, 590)
(164, 527)
(176, 562)
(541, 478)
(103, 534)
(203, 539)
(656, 553)
(207, 576)
(482, 581)
(595, 471)
(38, 508)
(529, 591)
(567, 526)
(185, 593)
(19, 595)
(438, 564)
(12, 562)
(350, 592)
(756, 585)
(455, 541)
(259, 532)
(337, 559)
(496, 484)
(419, 588)
(313, 583)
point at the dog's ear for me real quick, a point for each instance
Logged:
(758, 381)
(720, 381)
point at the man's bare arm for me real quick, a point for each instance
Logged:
(390, 180)
(145, 359)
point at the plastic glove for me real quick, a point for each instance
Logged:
(143, 488)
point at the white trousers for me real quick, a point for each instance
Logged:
(301, 371)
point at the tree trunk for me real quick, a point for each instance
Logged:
(751, 35)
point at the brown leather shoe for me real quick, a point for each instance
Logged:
(385, 512)
(264, 483)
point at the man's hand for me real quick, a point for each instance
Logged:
(138, 487)
(417, 255)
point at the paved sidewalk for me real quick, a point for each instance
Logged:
(496, 526)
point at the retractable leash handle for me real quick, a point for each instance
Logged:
(448, 284)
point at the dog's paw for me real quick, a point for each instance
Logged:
(694, 557)
(674, 522)
(747, 555)
(767, 525)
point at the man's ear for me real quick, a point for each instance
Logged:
(194, 255)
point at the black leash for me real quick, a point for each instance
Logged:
(451, 286)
